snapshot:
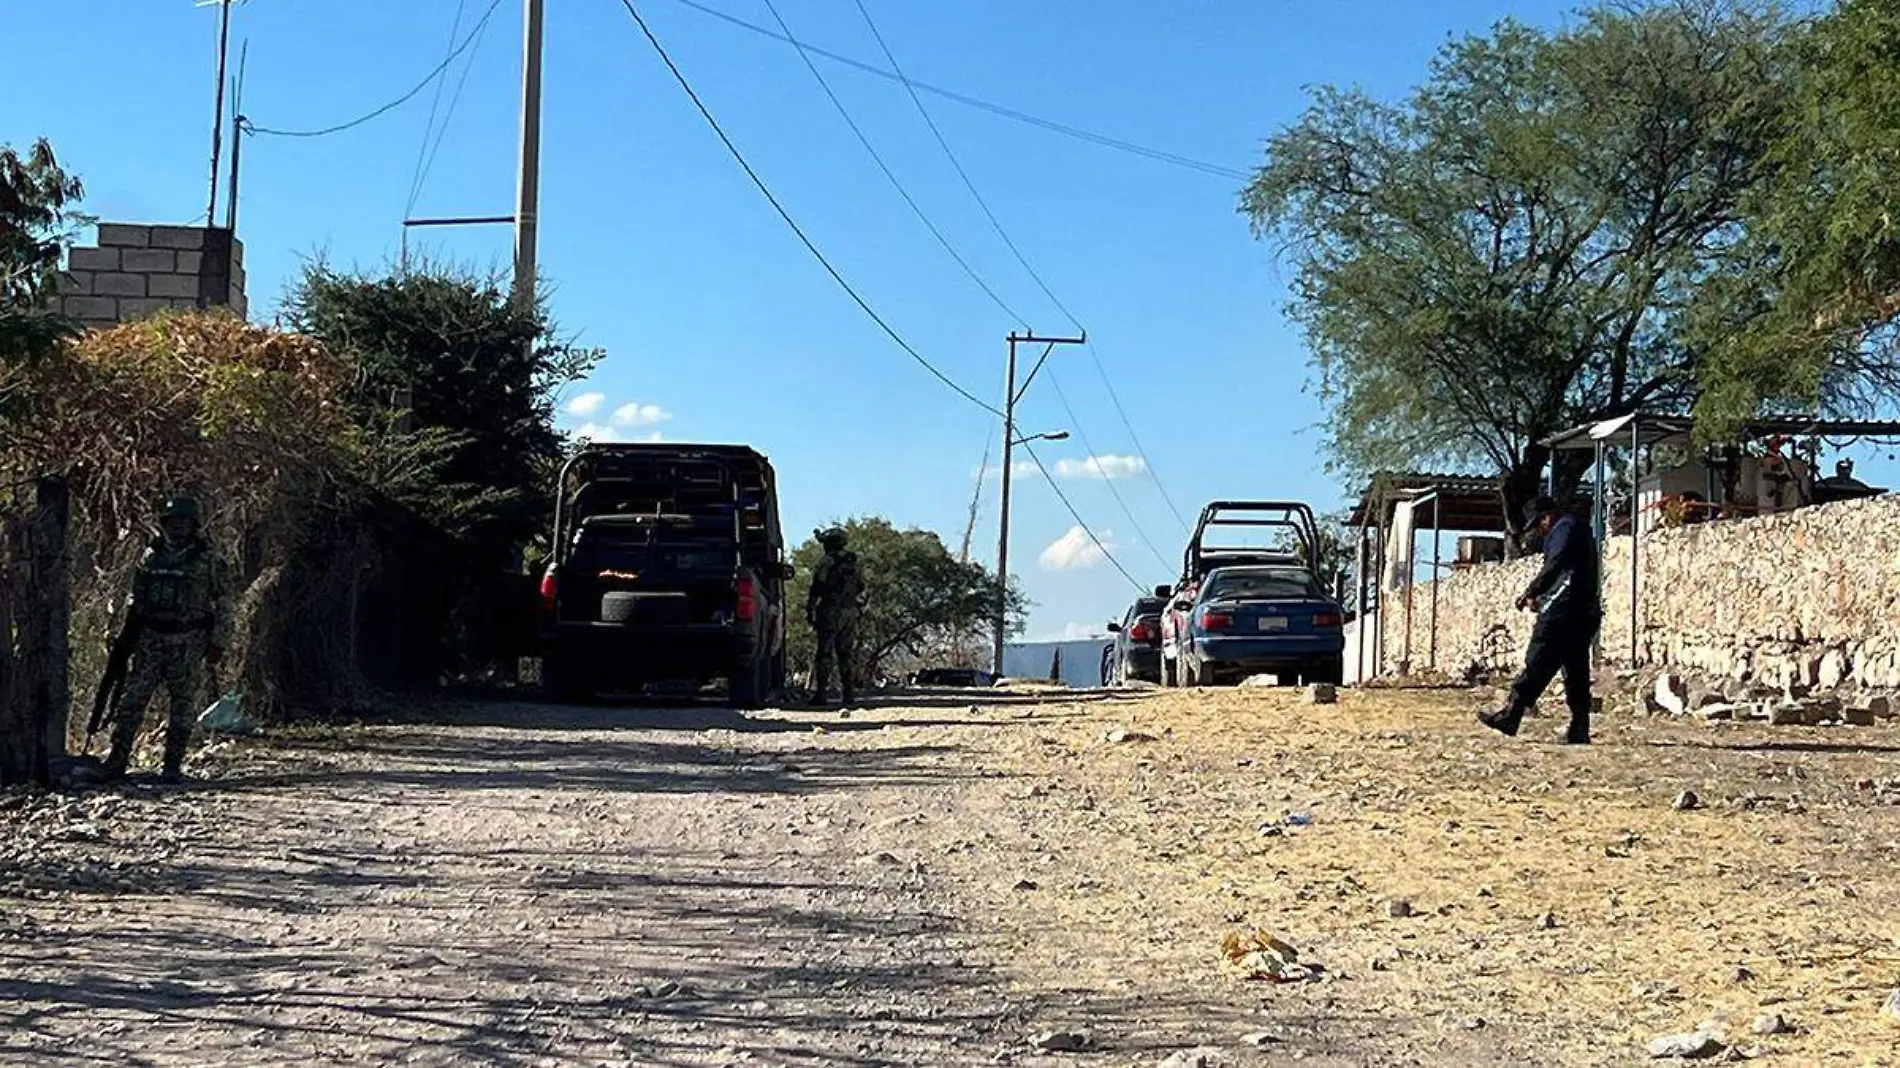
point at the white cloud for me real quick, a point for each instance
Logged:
(1103, 467)
(596, 432)
(1075, 632)
(637, 414)
(586, 404)
(1075, 551)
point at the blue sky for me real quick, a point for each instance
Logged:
(717, 324)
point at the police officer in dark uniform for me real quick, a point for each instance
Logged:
(1568, 602)
(832, 610)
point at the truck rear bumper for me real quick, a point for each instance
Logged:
(700, 651)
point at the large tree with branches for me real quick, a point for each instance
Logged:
(1528, 241)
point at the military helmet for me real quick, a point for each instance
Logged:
(180, 508)
(832, 537)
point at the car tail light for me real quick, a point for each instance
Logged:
(1213, 620)
(548, 590)
(1140, 632)
(748, 607)
(1326, 619)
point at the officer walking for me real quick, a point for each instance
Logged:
(1568, 602)
(832, 610)
(181, 609)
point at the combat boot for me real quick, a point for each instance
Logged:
(1505, 721)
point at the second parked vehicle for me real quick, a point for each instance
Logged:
(1262, 620)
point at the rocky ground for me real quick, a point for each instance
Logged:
(956, 879)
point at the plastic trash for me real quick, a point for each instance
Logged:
(226, 716)
(1299, 819)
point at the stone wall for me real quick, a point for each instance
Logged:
(137, 270)
(1809, 598)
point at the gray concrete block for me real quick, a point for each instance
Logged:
(93, 259)
(123, 235)
(190, 262)
(149, 260)
(130, 310)
(185, 237)
(74, 283)
(174, 285)
(119, 285)
(89, 308)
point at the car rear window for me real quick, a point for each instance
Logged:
(1264, 583)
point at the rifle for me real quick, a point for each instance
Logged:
(117, 660)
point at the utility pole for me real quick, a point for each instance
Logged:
(528, 192)
(217, 119)
(1011, 394)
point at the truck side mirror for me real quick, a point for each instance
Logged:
(1164, 592)
(787, 572)
(1114, 628)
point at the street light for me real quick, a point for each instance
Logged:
(1053, 435)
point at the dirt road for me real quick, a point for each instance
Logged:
(941, 883)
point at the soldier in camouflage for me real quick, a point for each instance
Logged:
(832, 609)
(181, 607)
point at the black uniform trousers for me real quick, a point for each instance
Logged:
(1558, 645)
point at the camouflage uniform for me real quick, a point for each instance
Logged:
(832, 609)
(181, 606)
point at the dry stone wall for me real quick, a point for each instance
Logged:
(1810, 598)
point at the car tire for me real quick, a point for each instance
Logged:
(1332, 671)
(1203, 673)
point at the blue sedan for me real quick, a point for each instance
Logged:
(1262, 620)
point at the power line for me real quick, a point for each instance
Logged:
(442, 133)
(950, 154)
(435, 104)
(810, 247)
(1090, 136)
(1064, 498)
(1056, 381)
(1129, 425)
(393, 104)
(888, 173)
(958, 166)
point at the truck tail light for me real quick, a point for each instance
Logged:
(748, 607)
(548, 590)
(1140, 632)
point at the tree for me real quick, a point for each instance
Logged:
(1523, 244)
(1822, 228)
(36, 223)
(37, 220)
(455, 387)
(443, 351)
(918, 597)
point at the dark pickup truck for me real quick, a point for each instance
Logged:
(668, 566)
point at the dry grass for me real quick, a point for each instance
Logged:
(1778, 895)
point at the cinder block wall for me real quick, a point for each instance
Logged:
(137, 270)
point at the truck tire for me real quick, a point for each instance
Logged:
(564, 680)
(1170, 673)
(749, 684)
